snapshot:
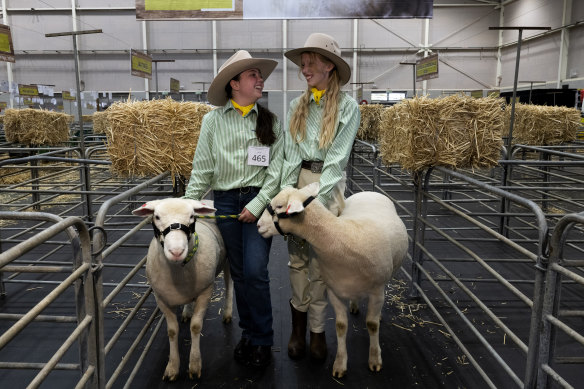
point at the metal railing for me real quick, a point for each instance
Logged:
(80, 278)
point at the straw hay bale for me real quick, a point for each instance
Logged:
(370, 121)
(87, 118)
(36, 126)
(146, 138)
(100, 122)
(455, 131)
(540, 125)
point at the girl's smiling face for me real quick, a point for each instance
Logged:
(248, 88)
(316, 70)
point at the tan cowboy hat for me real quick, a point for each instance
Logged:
(327, 46)
(237, 63)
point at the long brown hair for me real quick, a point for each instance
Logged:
(264, 121)
(328, 124)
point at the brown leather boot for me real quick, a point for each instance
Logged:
(297, 343)
(318, 345)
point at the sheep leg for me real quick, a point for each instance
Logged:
(373, 316)
(228, 304)
(172, 367)
(201, 304)
(340, 365)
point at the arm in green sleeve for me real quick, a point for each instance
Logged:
(292, 159)
(203, 162)
(338, 153)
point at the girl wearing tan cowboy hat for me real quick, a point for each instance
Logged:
(322, 125)
(239, 155)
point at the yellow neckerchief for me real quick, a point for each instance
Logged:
(244, 110)
(317, 94)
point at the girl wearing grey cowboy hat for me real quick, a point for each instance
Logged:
(322, 125)
(239, 155)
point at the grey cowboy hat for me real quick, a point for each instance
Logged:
(237, 63)
(326, 46)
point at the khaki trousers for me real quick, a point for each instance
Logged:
(308, 289)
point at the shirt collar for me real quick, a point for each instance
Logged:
(229, 106)
(322, 99)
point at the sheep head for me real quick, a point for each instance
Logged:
(289, 201)
(176, 212)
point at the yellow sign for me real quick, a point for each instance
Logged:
(186, 5)
(427, 68)
(67, 95)
(174, 85)
(4, 42)
(6, 48)
(27, 102)
(141, 64)
(477, 94)
(3, 104)
(28, 90)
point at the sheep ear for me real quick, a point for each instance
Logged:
(200, 207)
(294, 207)
(311, 189)
(146, 209)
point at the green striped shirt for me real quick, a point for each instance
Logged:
(221, 157)
(335, 156)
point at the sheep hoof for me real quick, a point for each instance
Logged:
(192, 375)
(195, 368)
(338, 374)
(375, 367)
(169, 375)
(339, 369)
(227, 319)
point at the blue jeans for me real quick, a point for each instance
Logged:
(248, 254)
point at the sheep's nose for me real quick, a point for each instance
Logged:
(176, 252)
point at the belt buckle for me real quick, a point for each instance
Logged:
(244, 190)
(316, 167)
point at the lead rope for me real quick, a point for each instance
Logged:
(217, 216)
(193, 250)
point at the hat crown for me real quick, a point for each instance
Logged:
(323, 41)
(240, 55)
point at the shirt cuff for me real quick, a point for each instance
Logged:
(256, 207)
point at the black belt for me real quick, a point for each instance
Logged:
(243, 190)
(313, 166)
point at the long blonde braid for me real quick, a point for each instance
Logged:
(328, 123)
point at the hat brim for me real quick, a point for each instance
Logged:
(343, 67)
(216, 93)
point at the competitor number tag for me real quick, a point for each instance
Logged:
(258, 155)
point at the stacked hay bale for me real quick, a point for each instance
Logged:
(540, 125)
(370, 121)
(146, 138)
(455, 131)
(36, 127)
(99, 122)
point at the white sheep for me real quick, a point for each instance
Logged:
(358, 252)
(179, 275)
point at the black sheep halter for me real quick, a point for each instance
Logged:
(188, 230)
(284, 215)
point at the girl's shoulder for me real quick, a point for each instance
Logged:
(345, 99)
(347, 102)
